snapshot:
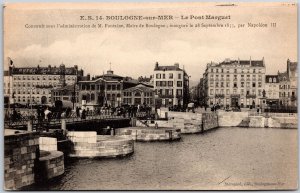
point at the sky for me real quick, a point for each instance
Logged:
(134, 52)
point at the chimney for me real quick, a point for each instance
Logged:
(156, 65)
(176, 65)
(88, 76)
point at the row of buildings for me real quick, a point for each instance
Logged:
(168, 86)
(244, 83)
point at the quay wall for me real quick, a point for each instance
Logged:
(231, 119)
(89, 144)
(273, 122)
(193, 122)
(283, 122)
(50, 165)
(149, 134)
(20, 153)
(210, 121)
(243, 119)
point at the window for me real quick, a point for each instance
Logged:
(227, 91)
(253, 70)
(234, 85)
(222, 84)
(170, 83)
(211, 70)
(222, 70)
(179, 83)
(217, 84)
(242, 84)
(211, 91)
(235, 70)
(171, 75)
(157, 83)
(259, 84)
(227, 84)
(179, 76)
(270, 80)
(242, 91)
(253, 84)
(217, 91)
(217, 70)
(164, 83)
(179, 92)
(158, 76)
(164, 76)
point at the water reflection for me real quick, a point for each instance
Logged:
(202, 161)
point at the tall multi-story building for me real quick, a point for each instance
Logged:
(288, 85)
(234, 82)
(171, 85)
(272, 90)
(104, 90)
(7, 87)
(33, 85)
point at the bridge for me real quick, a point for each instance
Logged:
(92, 121)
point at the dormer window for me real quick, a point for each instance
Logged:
(270, 80)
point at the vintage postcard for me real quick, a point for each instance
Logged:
(150, 96)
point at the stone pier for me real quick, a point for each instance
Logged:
(150, 133)
(89, 144)
(20, 153)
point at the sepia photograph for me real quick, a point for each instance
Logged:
(150, 96)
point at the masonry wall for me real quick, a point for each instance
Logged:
(50, 165)
(19, 158)
(209, 121)
(231, 119)
(149, 134)
(89, 144)
(48, 143)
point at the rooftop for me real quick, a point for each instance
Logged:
(250, 63)
(47, 70)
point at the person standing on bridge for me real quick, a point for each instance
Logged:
(47, 114)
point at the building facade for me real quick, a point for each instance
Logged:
(171, 85)
(234, 83)
(272, 90)
(139, 95)
(33, 85)
(288, 85)
(104, 90)
(7, 91)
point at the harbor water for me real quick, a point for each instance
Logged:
(224, 158)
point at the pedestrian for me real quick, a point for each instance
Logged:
(47, 114)
(63, 115)
(77, 112)
(83, 114)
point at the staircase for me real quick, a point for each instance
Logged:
(245, 122)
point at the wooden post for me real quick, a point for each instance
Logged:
(29, 125)
(112, 132)
(63, 124)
